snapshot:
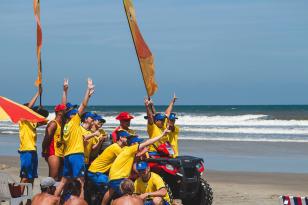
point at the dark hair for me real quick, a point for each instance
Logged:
(40, 110)
(127, 187)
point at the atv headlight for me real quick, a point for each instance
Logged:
(169, 167)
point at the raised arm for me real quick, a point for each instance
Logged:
(147, 104)
(89, 92)
(34, 98)
(153, 140)
(171, 104)
(65, 89)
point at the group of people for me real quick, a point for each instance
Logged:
(79, 152)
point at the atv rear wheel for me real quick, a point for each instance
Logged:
(204, 196)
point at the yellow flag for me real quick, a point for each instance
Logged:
(144, 54)
(39, 38)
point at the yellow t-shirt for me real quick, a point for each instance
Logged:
(104, 161)
(155, 183)
(87, 144)
(173, 139)
(27, 136)
(58, 141)
(72, 135)
(155, 131)
(122, 166)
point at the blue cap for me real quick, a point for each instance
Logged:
(172, 116)
(71, 112)
(99, 118)
(141, 166)
(88, 114)
(134, 139)
(123, 133)
(159, 116)
(70, 106)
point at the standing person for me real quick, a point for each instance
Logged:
(150, 186)
(74, 166)
(174, 133)
(52, 146)
(46, 197)
(127, 188)
(124, 118)
(157, 121)
(122, 166)
(27, 147)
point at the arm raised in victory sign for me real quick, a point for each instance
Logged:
(65, 89)
(171, 104)
(89, 93)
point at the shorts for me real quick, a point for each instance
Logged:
(115, 185)
(28, 164)
(100, 180)
(74, 166)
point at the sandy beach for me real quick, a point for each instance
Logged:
(243, 188)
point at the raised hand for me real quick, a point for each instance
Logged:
(65, 85)
(90, 86)
(174, 98)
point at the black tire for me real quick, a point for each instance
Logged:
(204, 197)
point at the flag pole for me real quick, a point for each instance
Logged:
(136, 50)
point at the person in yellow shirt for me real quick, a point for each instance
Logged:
(99, 169)
(122, 166)
(27, 147)
(157, 122)
(74, 166)
(52, 146)
(150, 186)
(173, 136)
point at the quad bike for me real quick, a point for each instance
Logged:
(183, 175)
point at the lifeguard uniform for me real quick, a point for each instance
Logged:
(56, 146)
(74, 166)
(27, 149)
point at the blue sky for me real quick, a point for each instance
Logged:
(207, 51)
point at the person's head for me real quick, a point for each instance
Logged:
(124, 118)
(98, 121)
(88, 118)
(127, 187)
(171, 119)
(73, 188)
(71, 113)
(143, 170)
(48, 185)
(134, 140)
(60, 110)
(159, 119)
(122, 137)
(41, 111)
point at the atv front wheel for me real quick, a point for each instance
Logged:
(204, 196)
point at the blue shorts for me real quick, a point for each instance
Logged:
(28, 164)
(115, 185)
(74, 166)
(100, 180)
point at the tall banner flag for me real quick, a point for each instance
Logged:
(145, 57)
(39, 39)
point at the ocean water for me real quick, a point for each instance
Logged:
(229, 138)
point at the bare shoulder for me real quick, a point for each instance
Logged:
(76, 201)
(128, 200)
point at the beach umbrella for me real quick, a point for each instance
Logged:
(10, 110)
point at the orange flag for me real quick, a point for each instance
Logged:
(39, 38)
(144, 54)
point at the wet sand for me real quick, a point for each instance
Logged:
(242, 188)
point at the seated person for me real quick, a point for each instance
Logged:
(127, 188)
(48, 188)
(71, 194)
(150, 186)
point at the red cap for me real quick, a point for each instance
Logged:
(60, 107)
(124, 116)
